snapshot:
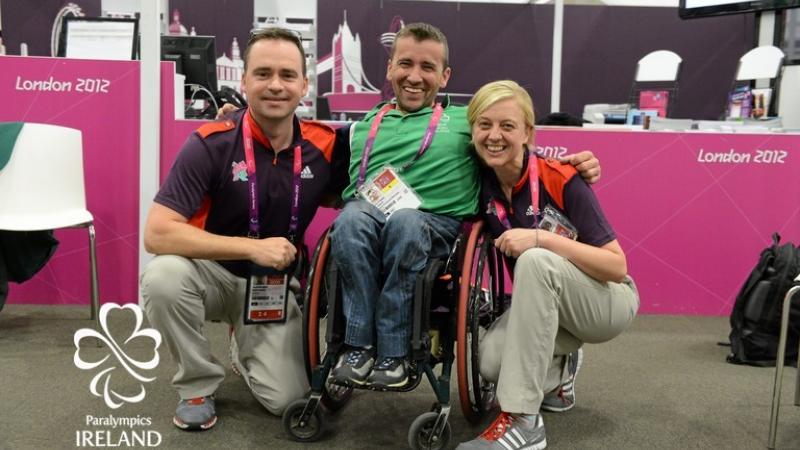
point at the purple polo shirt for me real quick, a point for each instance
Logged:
(577, 202)
(208, 182)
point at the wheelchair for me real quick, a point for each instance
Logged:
(455, 300)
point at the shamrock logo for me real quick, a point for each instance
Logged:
(112, 398)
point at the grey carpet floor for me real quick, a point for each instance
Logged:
(663, 384)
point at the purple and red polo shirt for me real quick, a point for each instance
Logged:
(561, 187)
(208, 181)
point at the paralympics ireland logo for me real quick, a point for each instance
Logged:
(112, 398)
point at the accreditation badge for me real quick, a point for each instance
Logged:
(388, 192)
(557, 223)
(266, 296)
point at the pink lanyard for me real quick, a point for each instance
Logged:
(373, 131)
(247, 136)
(533, 183)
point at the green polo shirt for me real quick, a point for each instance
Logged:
(445, 177)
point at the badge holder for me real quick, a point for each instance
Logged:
(555, 222)
(266, 296)
(388, 192)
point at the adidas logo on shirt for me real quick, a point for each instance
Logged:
(306, 173)
(529, 211)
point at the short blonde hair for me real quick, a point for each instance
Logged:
(497, 91)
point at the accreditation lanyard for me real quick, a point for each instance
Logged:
(533, 183)
(253, 185)
(373, 131)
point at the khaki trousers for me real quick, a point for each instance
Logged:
(555, 308)
(180, 294)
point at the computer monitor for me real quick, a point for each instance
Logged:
(98, 38)
(688, 9)
(195, 57)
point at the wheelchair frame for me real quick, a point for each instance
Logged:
(476, 303)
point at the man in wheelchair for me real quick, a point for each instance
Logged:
(413, 179)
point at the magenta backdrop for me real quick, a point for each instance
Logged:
(110, 125)
(692, 230)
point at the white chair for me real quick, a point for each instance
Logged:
(776, 389)
(42, 186)
(660, 65)
(761, 63)
(657, 70)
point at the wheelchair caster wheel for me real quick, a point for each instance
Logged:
(304, 431)
(421, 436)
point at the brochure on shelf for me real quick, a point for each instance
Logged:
(654, 100)
(740, 102)
(761, 102)
(638, 116)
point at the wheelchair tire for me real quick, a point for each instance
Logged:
(419, 433)
(479, 255)
(310, 431)
(315, 312)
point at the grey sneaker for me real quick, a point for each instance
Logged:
(195, 414)
(354, 365)
(510, 432)
(389, 373)
(563, 398)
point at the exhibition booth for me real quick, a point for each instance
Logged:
(692, 208)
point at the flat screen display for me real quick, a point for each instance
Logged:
(98, 38)
(701, 8)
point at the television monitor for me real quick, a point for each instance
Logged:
(98, 38)
(688, 9)
(195, 57)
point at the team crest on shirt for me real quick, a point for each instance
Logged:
(239, 171)
(491, 209)
(443, 124)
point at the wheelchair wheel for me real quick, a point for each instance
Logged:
(420, 434)
(480, 292)
(315, 323)
(308, 431)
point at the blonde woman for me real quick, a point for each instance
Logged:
(570, 273)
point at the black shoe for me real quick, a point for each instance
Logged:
(389, 373)
(354, 365)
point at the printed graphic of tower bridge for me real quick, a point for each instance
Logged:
(351, 91)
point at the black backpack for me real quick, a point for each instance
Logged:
(756, 315)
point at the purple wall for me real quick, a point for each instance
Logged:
(32, 22)
(600, 50)
(487, 42)
(515, 40)
(603, 44)
(224, 19)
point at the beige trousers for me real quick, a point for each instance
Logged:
(179, 295)
(555, 308)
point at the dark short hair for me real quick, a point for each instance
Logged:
(278, 34)
(421, 31)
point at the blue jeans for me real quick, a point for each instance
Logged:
(378, 262)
